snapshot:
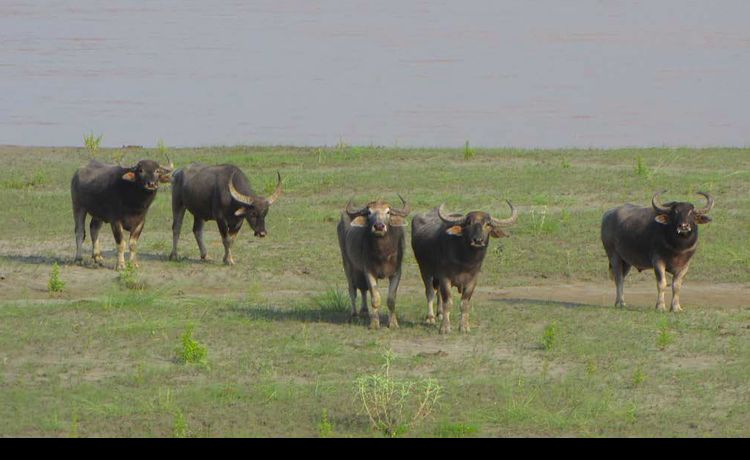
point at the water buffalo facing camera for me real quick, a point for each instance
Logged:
(116, 195)
(663, 237)
(450, 249)
(371, 239)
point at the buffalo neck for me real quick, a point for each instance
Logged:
(679, 244)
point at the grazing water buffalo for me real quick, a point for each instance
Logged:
(221, 193)
(450, 250)
(663, 237)
(372, 245)
(118, 196)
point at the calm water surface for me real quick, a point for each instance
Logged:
(409, 73)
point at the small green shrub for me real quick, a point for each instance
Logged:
(640, 167)
(325, 427)
(334, 300)
(191, 351)
(396, 406)
(664, 338)
(457, 430)
(468, 151)
(92, 143)
(130, 279)
(549, 336)
(55, 284)
(179, 425)
(638, 377)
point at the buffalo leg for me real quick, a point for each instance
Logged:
(363, 311)
(96, 250)
(133, 243)
(393, 283)
(661, 284)
(616, 267)
(429, 292)
(372, 283)
(353, 298)
(227, 237)
(79, 216)
(120, 240)
(676, 286)
(466, 305)
(445, 293)
(198, 232)
(178, 214)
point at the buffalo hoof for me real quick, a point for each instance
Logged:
(621, 303)
(363, 312)
(464, 328)
(661, 307)
(374, 323)
(78, 261)
(676, 308)
(98, 260)
(445, 328)
(173, 256)
(120, 266)
(430, 319)
(228, 261)
(392, 322)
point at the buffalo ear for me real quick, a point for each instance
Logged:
(662, 219)
(456, 230)
(498, 233)
(359, 221)
(398, 221)
(129, 176)
(165, 178)
(702, 219)
(241, 211)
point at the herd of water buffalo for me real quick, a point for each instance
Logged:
(449, 248)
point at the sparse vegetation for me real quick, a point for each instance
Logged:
(92, 144)
(192, 351)
(549, 336)
(664, 337)
(468, 151)
(325, 427)
(55, 284)
(98, 359)
(129, 278)
(394, 406)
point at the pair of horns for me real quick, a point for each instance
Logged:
(247, 199)
(656, 203)
(354, 212)
(456, 219)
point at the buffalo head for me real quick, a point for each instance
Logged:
(148, 174)
(378, 216)
(255, 208)
(476, 227)
(681, 218)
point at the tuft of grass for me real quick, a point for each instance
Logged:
(332, 301)
(130, 279)
(396, 406)
(640, 167)
(325, 427)
(192, 351)
(92, 143)
(468, 151)
(55, 284)
(457, 430)
(549, 336)
(179, 424)
(638, 377)
(664, 338)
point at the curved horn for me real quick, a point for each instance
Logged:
(448, 219)
(276, 193)
(510, 220)
(404, 211)
(709, 203)
(244, 199)
(354, 212)
(656, 203)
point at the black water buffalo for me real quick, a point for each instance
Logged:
(371, 239)
(221, 193)
(450, 250)
(663, 237)
(116, 195)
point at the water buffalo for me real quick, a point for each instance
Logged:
(221, 193)
(116, 195)
(371, 239)
(663, 237)
(450, 250)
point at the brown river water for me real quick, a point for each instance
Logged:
(519, 73)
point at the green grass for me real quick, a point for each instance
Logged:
(100, 360)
